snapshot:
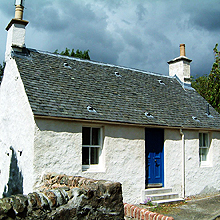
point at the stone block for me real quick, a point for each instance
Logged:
(65, 198)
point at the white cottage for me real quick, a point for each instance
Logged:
(78, 117)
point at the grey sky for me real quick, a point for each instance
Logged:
(142, 34)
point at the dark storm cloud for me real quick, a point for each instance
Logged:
(141, 11)
(110, 4)
(132, 39)
(126, 22)
(207, 19)
(56, 16)
(142, 34)
(203, 14)
(74, 24)
(52, 21)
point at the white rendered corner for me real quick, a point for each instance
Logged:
(16, 131)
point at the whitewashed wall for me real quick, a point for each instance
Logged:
(16, 130)
(58, 148)
(173, 160)
(198, 179)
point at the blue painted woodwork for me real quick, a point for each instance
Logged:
(154, 154)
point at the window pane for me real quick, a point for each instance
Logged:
(95, 136)
(205, 138)
(203, 154)
(200, 139)
(94, 155)
(85, 155)
(85, 136)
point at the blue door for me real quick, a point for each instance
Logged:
(154, 154)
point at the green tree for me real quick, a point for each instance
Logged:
(78, 53)
(66, 52)
(208, 86)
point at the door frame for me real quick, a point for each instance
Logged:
(152, 185)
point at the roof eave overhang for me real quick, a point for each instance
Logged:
(86, 121)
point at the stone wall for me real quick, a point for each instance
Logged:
(64, 198)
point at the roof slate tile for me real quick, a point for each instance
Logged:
(65, 91)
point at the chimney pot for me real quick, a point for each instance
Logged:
(19, 12)
(182, 50)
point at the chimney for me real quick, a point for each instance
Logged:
(182, 50)
(16, 31)
(180, 66)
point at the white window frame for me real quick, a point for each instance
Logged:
(207, 147)
(94, 167)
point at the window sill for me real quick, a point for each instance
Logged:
(93, 169)
(205, 164)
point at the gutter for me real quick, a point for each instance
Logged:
(183, 164)
(96, 121)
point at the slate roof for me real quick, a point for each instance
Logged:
(61, 86)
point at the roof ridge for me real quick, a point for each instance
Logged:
(99, 63)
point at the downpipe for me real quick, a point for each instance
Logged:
(183, 163)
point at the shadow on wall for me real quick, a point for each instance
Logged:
(15, 181)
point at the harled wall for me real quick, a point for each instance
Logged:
(202, 179)
(58, 148)
(198, 179)
(16, 134)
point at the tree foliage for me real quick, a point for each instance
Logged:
(78, 53)
(208, 86)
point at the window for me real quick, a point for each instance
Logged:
(91, 147)
(203, 148)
